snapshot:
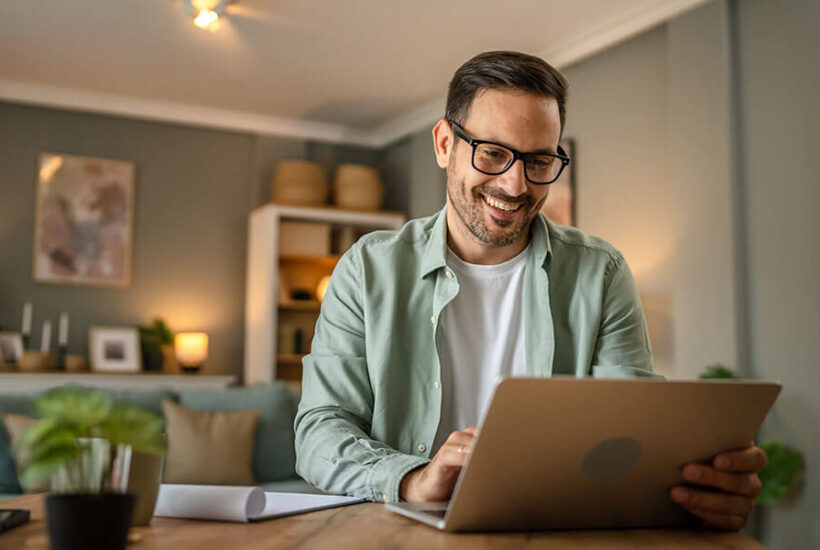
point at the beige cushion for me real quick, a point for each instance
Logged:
(209, 448)
(17, 425)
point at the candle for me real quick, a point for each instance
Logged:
(62, 334)
(27, 319)
(45, 341)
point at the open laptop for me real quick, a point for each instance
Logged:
(564, 453)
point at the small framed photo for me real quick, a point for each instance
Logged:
(114, 349)
(11, 348)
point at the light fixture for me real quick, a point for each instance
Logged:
(191, 350)
(206, 13)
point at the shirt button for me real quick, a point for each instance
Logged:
(449, 274)
(422, 447)
(384, 497)
(433, 319)
(436, 385)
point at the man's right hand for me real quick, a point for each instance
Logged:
(435, 481)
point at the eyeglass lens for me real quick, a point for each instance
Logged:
(495, 159)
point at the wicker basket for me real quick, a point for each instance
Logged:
(357, 187)
(299, 182)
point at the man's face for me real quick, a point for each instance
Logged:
(498, 210)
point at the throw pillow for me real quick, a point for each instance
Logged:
(209, 448)
(17, 425)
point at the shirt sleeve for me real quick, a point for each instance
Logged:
(622, 349)
(334, 450)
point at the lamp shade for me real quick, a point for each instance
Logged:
(191, 348)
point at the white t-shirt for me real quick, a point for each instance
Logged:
(482, 339)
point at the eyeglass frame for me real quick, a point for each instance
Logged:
(461, 133)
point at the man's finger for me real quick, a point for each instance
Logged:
(451, 456)
(722, 503)
(739, 483)
(730, 522)
(752, 459)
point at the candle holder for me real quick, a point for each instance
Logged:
(61, 355)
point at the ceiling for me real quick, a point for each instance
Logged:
(357, 71)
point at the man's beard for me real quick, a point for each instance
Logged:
(470, 210)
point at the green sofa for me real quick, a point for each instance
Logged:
(274, 458)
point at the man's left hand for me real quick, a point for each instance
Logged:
(729, 488)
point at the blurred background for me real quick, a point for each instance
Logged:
(695, 126)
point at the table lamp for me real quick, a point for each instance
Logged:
(191, 350)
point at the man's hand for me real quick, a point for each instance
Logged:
(435, 481)
(730, 488)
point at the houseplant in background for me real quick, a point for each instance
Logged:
(785, 463)
(83, 442)
(157, 343)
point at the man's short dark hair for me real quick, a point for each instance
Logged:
(504, 70)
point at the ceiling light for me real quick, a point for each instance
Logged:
(206, 13)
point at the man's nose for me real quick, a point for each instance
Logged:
(513, 182)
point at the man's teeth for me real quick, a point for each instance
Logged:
(507, 207)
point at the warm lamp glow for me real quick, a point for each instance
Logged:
(322, 288)
(191, 348)
(207, 19)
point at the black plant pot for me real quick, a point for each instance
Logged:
(81, 522)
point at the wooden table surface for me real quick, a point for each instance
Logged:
(362, 526)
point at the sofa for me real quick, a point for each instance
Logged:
(274, 457)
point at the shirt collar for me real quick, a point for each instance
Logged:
(436, 252)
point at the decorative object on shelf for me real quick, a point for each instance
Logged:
(191, 350)
(560, 207)
(45, 337)
(36, 361)
(114, 349)
(62, 340)
(301, 294)
(321, 289)
(153, 338)
(84, 443)
(26, 328)
(785, 464)
(358, 187)
(11, 348)
(304, 239)
(76, 363)
(300, 183)
(84, 216)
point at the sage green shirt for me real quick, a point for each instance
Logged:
(371, 392)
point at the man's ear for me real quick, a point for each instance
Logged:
(443, 142)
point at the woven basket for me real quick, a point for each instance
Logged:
(357, 187)
(299, 182)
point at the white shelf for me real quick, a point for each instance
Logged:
(261, 291)
(24, 382)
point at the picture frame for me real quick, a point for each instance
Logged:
(83, 221)
(114, 349)
(11, 348)
(561, 207)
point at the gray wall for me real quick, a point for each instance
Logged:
(780, 108)
(194, 189)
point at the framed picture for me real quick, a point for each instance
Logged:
(83, 222)
(560, 205)
(11, 348)
(114, 349)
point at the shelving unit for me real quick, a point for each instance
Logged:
(266, 310)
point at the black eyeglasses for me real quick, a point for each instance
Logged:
(493, 159)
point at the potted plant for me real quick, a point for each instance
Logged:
(155, 341)
(784, 462)
(83, 442)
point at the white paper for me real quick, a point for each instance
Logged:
(233, 503)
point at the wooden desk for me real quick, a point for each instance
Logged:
(362, 526)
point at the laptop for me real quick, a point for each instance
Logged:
(580, 453)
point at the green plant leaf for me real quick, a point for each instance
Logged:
(166, 337)
(780, 472)
(717, 371)
(79, 407)
(131, 425)
(35, 471)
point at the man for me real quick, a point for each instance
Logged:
(418, 324)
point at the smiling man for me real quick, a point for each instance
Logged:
(418, 324)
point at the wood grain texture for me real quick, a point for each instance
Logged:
(366, 526)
